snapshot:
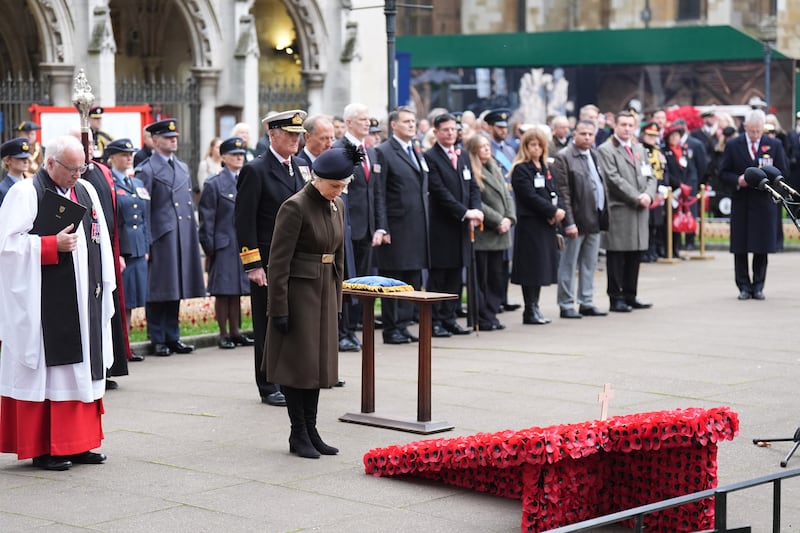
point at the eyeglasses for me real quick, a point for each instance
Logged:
(72, 170)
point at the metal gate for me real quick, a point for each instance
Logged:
(170, 99)
(281, 96)
(16, 96)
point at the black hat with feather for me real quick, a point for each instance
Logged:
(337, 163)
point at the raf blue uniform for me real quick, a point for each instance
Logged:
(176, 271)
(18, 148)
(133, 206)
(226, 276)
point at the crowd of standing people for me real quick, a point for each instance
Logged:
(326, 198)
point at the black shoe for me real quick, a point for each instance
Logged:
(111, 384)
(570, 313)
(242, 340)
(758, 295)
(226, 343)
(87, 458)
(378, 323)
(536, 320)
(410, 336)
(346, 344)
(511, 307)
(339, 383)
(355, 339)
(461, 313)
(179, 347)
(590, 310)
(276, 398)
(395, 337)
(136, 358)
(161, 350)
(456, 329)
(619, 306)
(490, 326)
(744, 295)
(636, 304)
(439, 331)
(48, 462)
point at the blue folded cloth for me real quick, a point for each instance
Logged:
(377, 283)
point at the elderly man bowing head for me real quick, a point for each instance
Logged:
(55, 356)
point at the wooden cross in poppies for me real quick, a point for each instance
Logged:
(603, 399)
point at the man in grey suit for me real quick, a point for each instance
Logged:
(401, 219)
(581, 194)
(630, 188)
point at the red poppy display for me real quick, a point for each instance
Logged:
(571, 472)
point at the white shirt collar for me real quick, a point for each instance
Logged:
(349, 136)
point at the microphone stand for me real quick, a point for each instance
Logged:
(795, 439)
(787, 204)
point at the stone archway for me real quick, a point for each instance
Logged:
(56, 36)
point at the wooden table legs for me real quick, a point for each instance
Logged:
(367, 416)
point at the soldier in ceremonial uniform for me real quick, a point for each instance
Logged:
(16, 157)
(27, 130)
(133, 208)
(176, 271)
(101, 138)
(262, 187)
(658, 237)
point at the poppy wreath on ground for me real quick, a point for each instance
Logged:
(571, 472)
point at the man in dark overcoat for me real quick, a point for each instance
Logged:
(176, 270)
(455, 206)
(754, 216)
(401, 219)
(264, 184)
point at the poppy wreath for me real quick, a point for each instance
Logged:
(567, 473)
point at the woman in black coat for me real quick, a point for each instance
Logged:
(535, 239)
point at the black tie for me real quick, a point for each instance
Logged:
(171, 163)
(128, 184)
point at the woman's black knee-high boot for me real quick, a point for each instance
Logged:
(299, 441)
(310, 402)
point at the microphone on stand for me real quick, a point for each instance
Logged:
(776, 177)
(757, 178)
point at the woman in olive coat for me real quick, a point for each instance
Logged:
(492, 243)
(306, 264)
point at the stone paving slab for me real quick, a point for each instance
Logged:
(192, 449)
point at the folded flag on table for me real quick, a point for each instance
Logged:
(376, 284)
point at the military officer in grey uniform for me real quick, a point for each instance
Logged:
(176, 271)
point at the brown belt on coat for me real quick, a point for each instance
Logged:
(316, 258)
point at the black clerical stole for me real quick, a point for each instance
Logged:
(60, 319)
